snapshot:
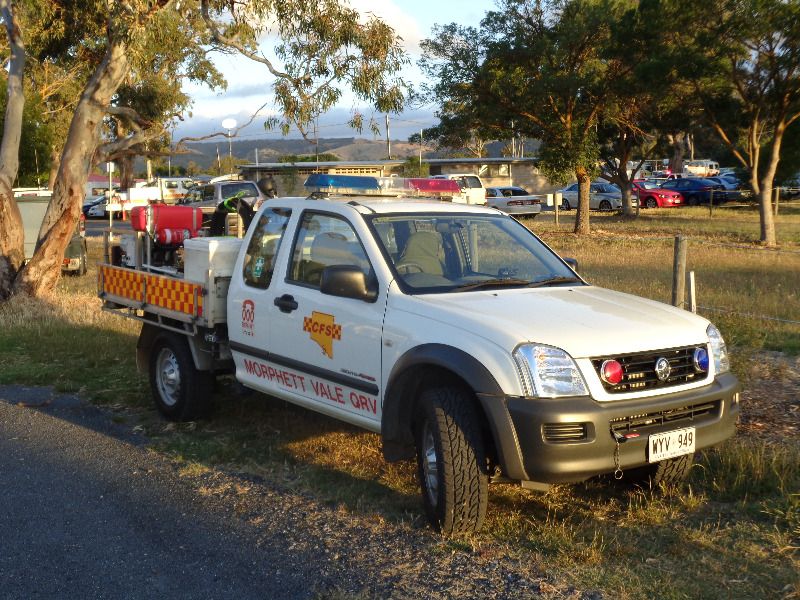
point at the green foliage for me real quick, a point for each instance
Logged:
(37, 136)
(321, 45)
(413, 168)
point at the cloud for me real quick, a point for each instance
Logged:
(331, 125)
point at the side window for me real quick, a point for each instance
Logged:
(324, 241)
(259, 262)
(471, 181)
(208, 192)
(246, 189)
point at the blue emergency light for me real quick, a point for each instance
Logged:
(328, 182)
(382, 186)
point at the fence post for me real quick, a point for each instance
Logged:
(692, 293)
(679, 272)
(711, 203)
(556, 205)
(777, 199)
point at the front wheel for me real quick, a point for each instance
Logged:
(605, 205)
(565, 204)
(651, 203)
(451, 461)
(667, 472)
(181, 392)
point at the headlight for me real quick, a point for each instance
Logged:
(718, 350)
(548, 372)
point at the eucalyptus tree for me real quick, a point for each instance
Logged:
(12, 253)
(320, 47)
(740, 62)
(539, 65)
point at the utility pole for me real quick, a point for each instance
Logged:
(513, 141)
(420, 152)
(388, 139)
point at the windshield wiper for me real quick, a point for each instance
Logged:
(491, 283)
(553, 280)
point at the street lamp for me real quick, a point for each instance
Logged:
(229, 124)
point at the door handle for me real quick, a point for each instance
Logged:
(286, 303)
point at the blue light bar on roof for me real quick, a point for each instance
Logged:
(324, 182)
(363, 185)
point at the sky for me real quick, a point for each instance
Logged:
(412, 21)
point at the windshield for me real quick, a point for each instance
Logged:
(436, 253)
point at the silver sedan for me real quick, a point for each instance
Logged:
(602, 196)
(514, 200)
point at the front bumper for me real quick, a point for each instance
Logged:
(570, 439)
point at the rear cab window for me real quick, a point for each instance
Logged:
(259, 261)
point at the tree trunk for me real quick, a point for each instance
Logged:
(55, 163)
(768, 236)
(12, 233)
(582, 215)
(126, 178)
(678, 142)
(40, 275)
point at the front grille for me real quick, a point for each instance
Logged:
(674, 416)
(640, 373)
(564, 433)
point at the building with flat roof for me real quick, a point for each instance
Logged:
(289, 177)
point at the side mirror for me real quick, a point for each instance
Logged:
(346, 281)
(573, 263)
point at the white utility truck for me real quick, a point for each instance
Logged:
(449, 329)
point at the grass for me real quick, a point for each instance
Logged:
(732, 532)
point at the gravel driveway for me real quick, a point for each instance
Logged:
(90, 512)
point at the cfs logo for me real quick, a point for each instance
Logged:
(323, 329)
(248, 317)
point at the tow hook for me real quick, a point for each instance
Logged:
(620, 438)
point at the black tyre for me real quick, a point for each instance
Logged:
(565, 204)
(693, 200)
(605, 205)
(84, 267)
(651, 203)
(451, 461)
(180, 391)
(667, 472)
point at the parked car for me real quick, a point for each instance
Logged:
(697, 190)
(514, 200)
(213, 194)
(791, 187)
(91, 201)
(471, 186)
(97, 210)
(652, 195)
(602, 196)
(732, 186)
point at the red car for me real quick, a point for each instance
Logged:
(653, 196)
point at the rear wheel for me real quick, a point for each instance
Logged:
(693, 200)
(451, 461)
(181, 392)
(651, 203)
(565, 204)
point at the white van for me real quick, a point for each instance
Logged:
(702, 168)
(472, 188)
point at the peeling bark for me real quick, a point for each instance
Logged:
(12, 234)
(40, 275)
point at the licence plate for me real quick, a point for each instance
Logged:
(670, 444)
